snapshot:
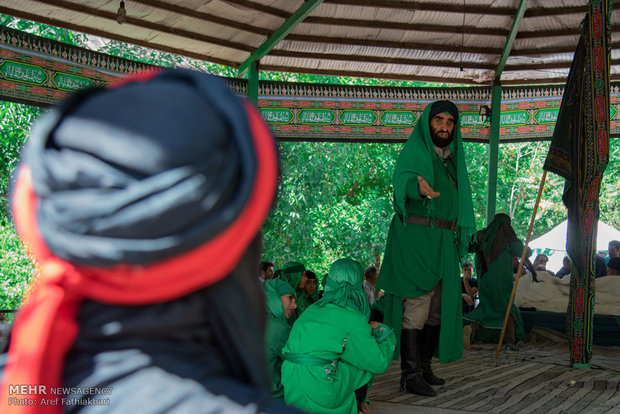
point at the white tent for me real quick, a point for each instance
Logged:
(553, 243)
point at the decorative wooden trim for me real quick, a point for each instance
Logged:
(41, 72)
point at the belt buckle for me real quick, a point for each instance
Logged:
(453, 226)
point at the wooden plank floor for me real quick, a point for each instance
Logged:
(538, 380)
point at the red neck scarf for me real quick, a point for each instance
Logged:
(46, 326)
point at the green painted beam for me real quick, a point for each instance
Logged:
(496, 106)
(253, 83)
(511, 38)
(279, 34)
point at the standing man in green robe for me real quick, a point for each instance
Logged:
(333, 350)
(280, 301)
(429, 233)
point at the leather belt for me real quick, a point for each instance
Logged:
(425, 221)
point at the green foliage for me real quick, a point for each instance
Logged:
(16, 269)
(477, 157)
(341, 80)
(610, 187)
(15, 122)
(519, 174)
(334, 200)
(44, 30)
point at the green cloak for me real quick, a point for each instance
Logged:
(332, 350)
(277, 330)
(418, 257)
(495, 282)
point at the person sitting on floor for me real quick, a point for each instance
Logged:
(567, 267)
(600, 266)
(469, 288)
(371, 276)
(265, 271)
(540, 263)
(142, 204)
(333, 350)
(613, 267)
(280, 298)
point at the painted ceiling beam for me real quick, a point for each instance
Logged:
(511, 38)
(279, 34)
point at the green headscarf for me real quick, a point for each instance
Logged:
(291, 273)
(344, 286)
(414, 161)
(274, 289)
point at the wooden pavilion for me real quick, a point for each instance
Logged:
(506, 59)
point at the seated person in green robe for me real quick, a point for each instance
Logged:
(280, 301)
(294, 273)
(495, 247)
(142, 204)
(332, 349)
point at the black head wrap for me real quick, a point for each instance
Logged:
(493, 241)
(136, 175)
(444, 106)
(141, 173)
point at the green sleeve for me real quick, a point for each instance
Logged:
(516, 249)
(412, 191)
(364, 352)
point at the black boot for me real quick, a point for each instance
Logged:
(411, 379)
(428, 342)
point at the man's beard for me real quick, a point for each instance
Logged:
(441, 142)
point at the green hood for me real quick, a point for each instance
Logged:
(274, 289)
(343, 286)
(414, 161)
(291, 273)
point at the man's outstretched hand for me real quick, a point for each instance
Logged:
(425, 189)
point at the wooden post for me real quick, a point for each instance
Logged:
(520, 270)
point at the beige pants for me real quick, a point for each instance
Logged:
(425, 309)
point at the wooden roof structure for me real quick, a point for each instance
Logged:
(471, 42)
(489, 44)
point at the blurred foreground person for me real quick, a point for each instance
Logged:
(332, 349)
(142, 204)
